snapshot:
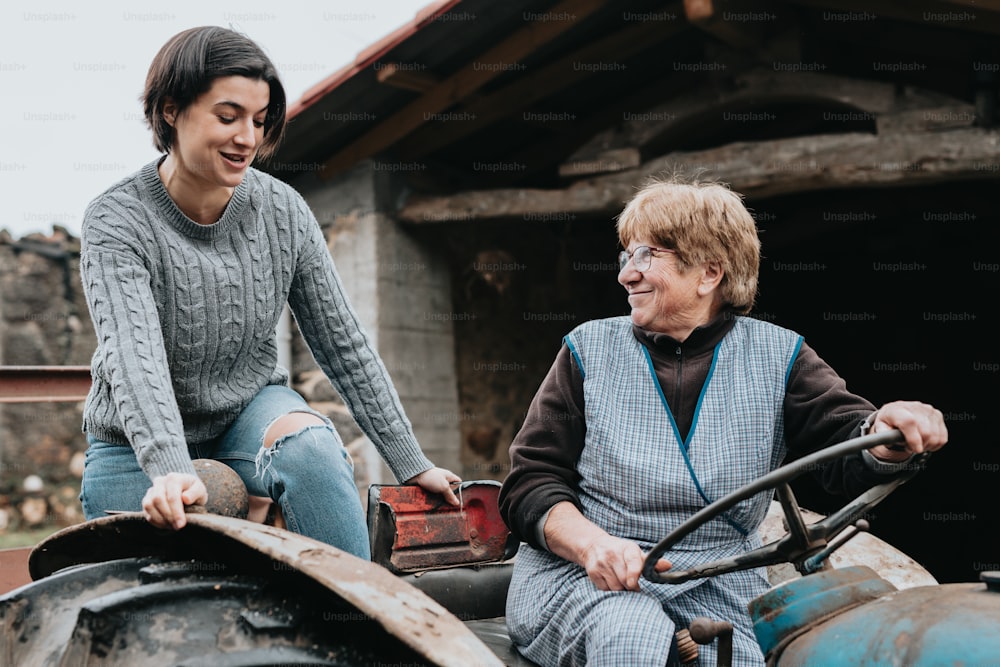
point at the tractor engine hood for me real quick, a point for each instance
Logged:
(851, 616)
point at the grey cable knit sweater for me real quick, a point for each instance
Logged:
(185, 317)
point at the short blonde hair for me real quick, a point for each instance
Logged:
(701, 222)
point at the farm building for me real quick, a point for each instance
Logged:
(468, 168)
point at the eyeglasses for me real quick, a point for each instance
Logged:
(641, 257)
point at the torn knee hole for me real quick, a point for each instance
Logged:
(285, 427)
(289, 425)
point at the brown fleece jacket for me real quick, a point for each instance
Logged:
(819, 412)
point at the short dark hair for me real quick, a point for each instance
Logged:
(188, 64)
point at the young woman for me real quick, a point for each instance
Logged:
(187, 265)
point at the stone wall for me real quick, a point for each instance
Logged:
(43, 322)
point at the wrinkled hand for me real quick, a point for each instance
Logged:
(922, 425)
(438, 480)
(164, 502)
(614, 564)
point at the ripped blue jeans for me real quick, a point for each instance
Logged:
(308, 472)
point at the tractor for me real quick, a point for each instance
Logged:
(224, 591)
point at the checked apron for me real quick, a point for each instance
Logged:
(639, 480)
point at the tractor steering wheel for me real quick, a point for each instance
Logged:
(806, 547)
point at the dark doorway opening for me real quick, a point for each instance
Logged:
(896, 289)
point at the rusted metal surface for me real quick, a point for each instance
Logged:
(924, 626)
(144, 611)
(865, 549)
(403, 611)
(794, 608)
(39, 384)
(227, 494)
(413, 530)
(706, 630)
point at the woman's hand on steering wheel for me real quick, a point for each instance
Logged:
(921, 424)
(615, 564)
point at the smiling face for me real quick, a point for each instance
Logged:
(711, 232)
(668, 297)
(218, 135)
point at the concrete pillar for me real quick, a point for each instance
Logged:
(401, 289)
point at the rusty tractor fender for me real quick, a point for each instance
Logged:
(403, 611)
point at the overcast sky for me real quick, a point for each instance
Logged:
(71, 72)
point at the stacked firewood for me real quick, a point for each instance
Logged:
(35, 503)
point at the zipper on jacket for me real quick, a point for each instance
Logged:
(678, 383)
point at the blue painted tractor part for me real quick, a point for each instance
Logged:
(851, 616)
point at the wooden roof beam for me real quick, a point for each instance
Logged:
(760, 26)
(460, 85)
(755, 169)
(756, 86)
(539, 155)
(553, 77)
(406, 77)
(614, 159)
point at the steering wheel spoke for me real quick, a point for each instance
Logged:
(770, 554)
(833, 524)
(794, 523)
(806, 546)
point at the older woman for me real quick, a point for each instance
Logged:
(643, 420)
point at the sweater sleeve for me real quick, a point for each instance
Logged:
(545, 452)
(130, 353)
(344, 351)
(820, 412)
